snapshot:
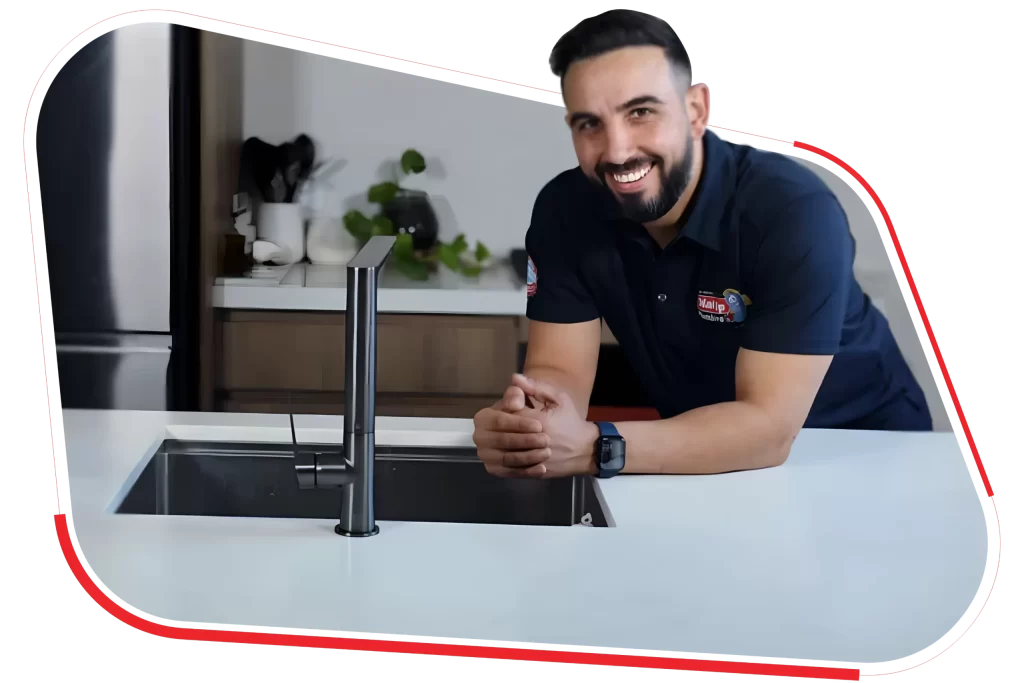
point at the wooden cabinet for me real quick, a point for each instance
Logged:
(427, 365)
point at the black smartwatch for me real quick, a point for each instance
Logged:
(610, 453)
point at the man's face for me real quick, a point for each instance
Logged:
(631, 128)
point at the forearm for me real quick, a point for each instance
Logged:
(725, 437)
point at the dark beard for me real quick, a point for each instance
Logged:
(639, 209)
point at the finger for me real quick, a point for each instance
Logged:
(511, 441)
(497, 420)
(535, 472)
(515, 441)
(518, 460)
(524, 383)
(525, 459)
(488, 438)
(503, 422)
(533, 387)
(513, 400)
(558, 470)
(542, 391)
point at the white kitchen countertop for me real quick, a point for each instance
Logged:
(863, 547)
(306, 287)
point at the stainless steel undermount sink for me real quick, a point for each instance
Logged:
(409, 485)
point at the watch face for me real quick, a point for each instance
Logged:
(612, 452)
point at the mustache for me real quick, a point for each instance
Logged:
(632, 165)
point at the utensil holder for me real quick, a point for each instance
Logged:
(284, 225)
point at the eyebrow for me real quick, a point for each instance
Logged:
(635, 102)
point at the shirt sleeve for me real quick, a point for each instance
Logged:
(555, 293)
(801, 280)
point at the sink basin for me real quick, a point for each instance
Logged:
(410, 485)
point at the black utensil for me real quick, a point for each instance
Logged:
(259, 164)
(301, 156)
(305, 154)
(288, 168)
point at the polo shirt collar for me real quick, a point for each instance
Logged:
(703, 217)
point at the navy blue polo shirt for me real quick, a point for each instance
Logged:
(764, 261)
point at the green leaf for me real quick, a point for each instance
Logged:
(382, 225)
(411, 268)
(403, 246)
(460, 245)
(471, 271)
(358, 225)
(382, 193)
(413, 162)
(448, 256)
(481, 252)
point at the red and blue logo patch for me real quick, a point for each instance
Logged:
(729, 307)
(531, 277)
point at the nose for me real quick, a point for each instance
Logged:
(618, 144)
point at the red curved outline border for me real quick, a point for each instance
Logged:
(402, 647)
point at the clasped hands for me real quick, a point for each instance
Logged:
(535, 431)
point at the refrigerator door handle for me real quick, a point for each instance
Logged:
(117, 350)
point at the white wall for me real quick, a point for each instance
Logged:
(487, 155)
(482, 174)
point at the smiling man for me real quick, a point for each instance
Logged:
(724, 272)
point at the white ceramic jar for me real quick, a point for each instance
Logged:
(284, 225)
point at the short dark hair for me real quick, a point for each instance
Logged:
(613, 30)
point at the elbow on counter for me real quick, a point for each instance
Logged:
(777, 457)
(778, 446)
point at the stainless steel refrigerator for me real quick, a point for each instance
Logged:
(117, 149)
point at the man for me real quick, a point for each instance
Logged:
(724, 272)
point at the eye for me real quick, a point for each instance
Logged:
(640, 112)
(587, 125)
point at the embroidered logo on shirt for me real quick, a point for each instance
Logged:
(729, 307)
(531, 277)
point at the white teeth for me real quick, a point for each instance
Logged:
(631, 177)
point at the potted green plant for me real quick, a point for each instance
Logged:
(408, 215)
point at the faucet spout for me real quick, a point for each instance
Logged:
(357, 514)
(352, 472)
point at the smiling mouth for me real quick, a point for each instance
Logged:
(632, 176)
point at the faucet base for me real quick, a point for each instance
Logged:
(350, 534)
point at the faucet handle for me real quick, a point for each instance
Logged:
(321, 468)
(305, 469)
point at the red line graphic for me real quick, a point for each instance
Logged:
(501, 653)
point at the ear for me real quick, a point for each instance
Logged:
(698, 105)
